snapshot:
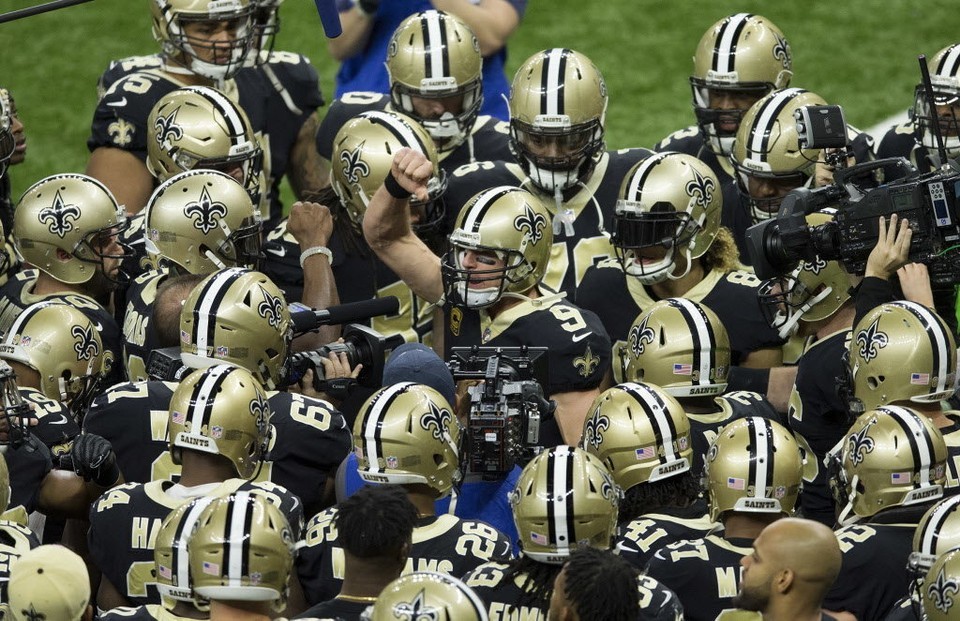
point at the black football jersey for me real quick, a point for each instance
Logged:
(342, 609)
(578, 346)
(445, 544)
(56, 425)
(618, 300)
(139, 338)
(873, 575)
(277, 96)
(581, 224)
(309, 437)
(15, 540)
(124, 523)
(704, 573)
(17, 294)
(640, 539)
(901, 141)
(729, 407)
(818, 418)
(904, 610)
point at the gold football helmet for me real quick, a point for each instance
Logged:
(768, 149)
(202, 221)
(169, 18)
(69, 212)
(681, 346)
(512, 224)
(814, 291)
(363, 152)
(640, 433)
(237, 316)
(944, 69)
(564, 497)
(892, 456)
(221, 410)
(8, 142)
(266, 25)
(669, 202)
(900, 351)
(937, 532)
(558, 105)
(746, 55)
(407, 433)
(64, 347)
(940, 597)
(754, 466)
(170, 553)
(199, 127)
(435, 55)
(427, 595)
(242, 549)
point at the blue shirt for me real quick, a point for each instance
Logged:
(367, 71)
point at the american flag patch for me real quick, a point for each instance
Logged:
(646, 452)
(165, 572)
(920, 378)
(538, 538)
(901, 477)
(682, 369)
(179, 417)
(735, 483)
(211, 568)
(185, 337)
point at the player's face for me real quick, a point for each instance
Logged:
(735, 101)
(767, 188)
(949, 117)
(559, 604)
(212, 41)
(754, 579)
(107, 245)
(234, 169)
(481, 261)
(436, 107)
(555, 146)
(20, 140)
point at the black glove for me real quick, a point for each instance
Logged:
(92, 458)
(368, 6)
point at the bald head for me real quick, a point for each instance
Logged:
(807, 548)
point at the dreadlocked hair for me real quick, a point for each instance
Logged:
(676, 491)
(722, 255)
(537, 577)
(601, 586)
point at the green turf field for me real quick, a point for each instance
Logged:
(861, 54)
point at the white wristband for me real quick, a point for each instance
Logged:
(309, 252)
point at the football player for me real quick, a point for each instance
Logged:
(428, 590)
(753, 477)
(739, 60)
(434, 66)
(558, 104)
(669, 243)
(67, 227)
(405, 434)
(489, 281)
(578, 481)
(196, 222)
(206, 43)
(219, 432)
(15, 538)
(594, 584)
(940, 595)
(236, 317)
(374, 526)
(13, 150)
(642, 435)
(882, 491)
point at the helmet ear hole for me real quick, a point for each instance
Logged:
(874, 381)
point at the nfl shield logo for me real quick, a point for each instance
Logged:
(221, 352)
(392, 462)
(216, 432)
(25, 341)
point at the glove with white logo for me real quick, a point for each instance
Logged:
(92, 458)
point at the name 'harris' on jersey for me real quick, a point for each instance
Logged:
(444, 544)
(124, 523)
(580, 233)
(277, 97)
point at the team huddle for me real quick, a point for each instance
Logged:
(703, 444)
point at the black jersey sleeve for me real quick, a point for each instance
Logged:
(120, 119)
(341, 111)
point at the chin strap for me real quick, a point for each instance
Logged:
(563, 219)
(845, 519)
(686, 271)
(789, 327)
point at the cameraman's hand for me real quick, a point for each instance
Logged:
(915, 283)
(311, 224)
(337, 365)
(413, 171)
(892, 249)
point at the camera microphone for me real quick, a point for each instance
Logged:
(306, 320)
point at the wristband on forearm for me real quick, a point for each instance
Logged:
(394, 188)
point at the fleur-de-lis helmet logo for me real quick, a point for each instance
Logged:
(271, 308)
(700, 188)
(205, 211)
(781, 51)
(85, 346)
(60, 216)
(530, 223)
(353, 165)
(416, 610)
(859, 444)
(941, 590)
(641, 335)
(871, 340)
(260, 410)
(437, 421)
(167, 129)
(593, 430)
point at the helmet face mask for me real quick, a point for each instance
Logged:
(434, 64)
(505, 228)
(266, 25)
(944, 69)
(186, 30)
(15, 413)
(8, 143)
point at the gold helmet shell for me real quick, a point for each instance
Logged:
(754, 466)
(937, 533)
(171, 557)
(680, 346)
(564, 497)
(640, 433)
(427, 595)
(407, 433)
(940, 596)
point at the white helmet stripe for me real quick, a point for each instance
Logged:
(639, 177)
(23, 318)
(181, 576)
(227, 108)
(950, 63)
(401, 130)
(661, 418)
(725, 51)
(203, 315)
(930, 535)
(762, 463)
(202, 398)
(700, 328)
(768, 116)
(435, 51)
(917, 435)
(372, 427)
(552, 93)
(941, 353)
(241, 507)
(472, 220)
(561, 494)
